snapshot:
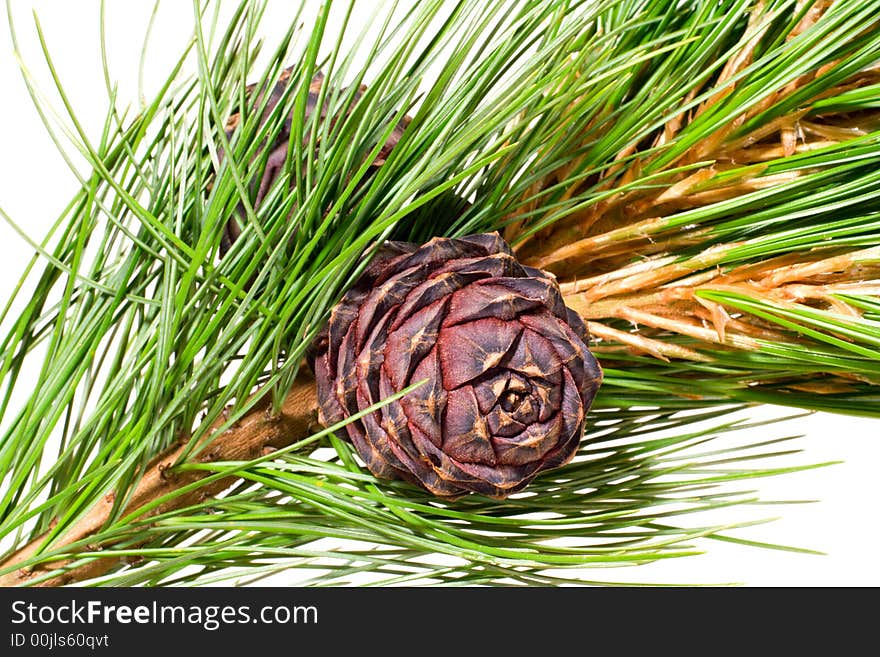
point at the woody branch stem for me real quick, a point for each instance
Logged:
(246, 440)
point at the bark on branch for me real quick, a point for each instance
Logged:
(248, 439)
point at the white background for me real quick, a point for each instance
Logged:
(35, 184)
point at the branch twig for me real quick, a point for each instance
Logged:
(248, 439)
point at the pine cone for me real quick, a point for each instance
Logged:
(262, 180)
(509, 376)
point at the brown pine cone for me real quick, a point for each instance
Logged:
(509, 376)
(262, 181)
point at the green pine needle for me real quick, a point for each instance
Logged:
(138, 335)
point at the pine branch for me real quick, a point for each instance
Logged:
(719, 200)
(162, 488)
(671, 166)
